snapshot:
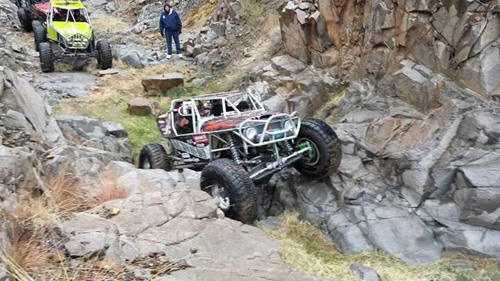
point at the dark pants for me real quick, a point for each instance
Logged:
(175, 35)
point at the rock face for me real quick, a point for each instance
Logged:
(164, 218)
(109, 136)
(162, 83)
(419, 172)
(23, 109)
(56, 86)
(459, 37)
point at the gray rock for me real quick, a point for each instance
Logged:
(288, 64)
(131, 54)
(92, 132)
(364, 272)
(142, 107)
(111, 71)
(174, 221)
(14, 171)
(18, 95)
(116, 129)
(74, 85)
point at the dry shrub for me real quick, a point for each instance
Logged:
(28, 254)
(61, 197)
(111, 192)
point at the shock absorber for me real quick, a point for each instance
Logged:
(234, 150)
(289, 146)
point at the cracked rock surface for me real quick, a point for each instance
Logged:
(157, 216)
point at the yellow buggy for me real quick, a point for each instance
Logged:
(67, 33)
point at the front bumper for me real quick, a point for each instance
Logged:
(270, 135)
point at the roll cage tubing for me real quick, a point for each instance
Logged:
(70, 12)
(195, 116)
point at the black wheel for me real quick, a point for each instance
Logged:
(154, 156)
(325, 153)
(232, 187)
(46, 57)
(104, 55)
(40, 34)
(24, 19)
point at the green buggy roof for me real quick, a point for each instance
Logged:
(67, 4)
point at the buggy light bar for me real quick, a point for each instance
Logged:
(269, 132)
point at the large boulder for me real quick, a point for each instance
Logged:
(56, 86)
(15, 169)
(182, 223)
(94, 133)
(142, 107)
(24, 108)
(287, 64)
(162, 83)
(302, 29)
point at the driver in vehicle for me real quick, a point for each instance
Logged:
(79, 17)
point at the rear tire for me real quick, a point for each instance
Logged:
(233, 183)
(46, 57)
(154, 156)
(24, 19)
(326, 146)
(104, 55)
(40, 34)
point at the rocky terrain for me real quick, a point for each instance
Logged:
(410, 88)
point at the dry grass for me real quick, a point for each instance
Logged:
(61, 198)
(110, 24)
(35, 252)
(111, 192)
(305, 247)
(109, 102)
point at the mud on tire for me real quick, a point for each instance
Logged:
(46, 57)
(325, 141)
(238, 185)
(104, 55)
(154, 156)
(40, 34)
(24, 19)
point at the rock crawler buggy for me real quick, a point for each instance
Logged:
(29, 10)
(67, 33)
(236, 143)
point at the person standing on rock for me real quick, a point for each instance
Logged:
(171, 26)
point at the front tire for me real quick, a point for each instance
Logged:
(40, 34)
(325, 153)
(231, 185)
(46, 57)
(154, 156)
(24, 19)
(104, 55)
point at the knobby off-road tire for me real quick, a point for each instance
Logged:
(40, 34)
(237, 184)
(46, 57)
(154, 156)
(104, 55)
(24, 19)
(327, 145)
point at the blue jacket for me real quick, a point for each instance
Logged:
(170, 22)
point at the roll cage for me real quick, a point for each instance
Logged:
(56, 11)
